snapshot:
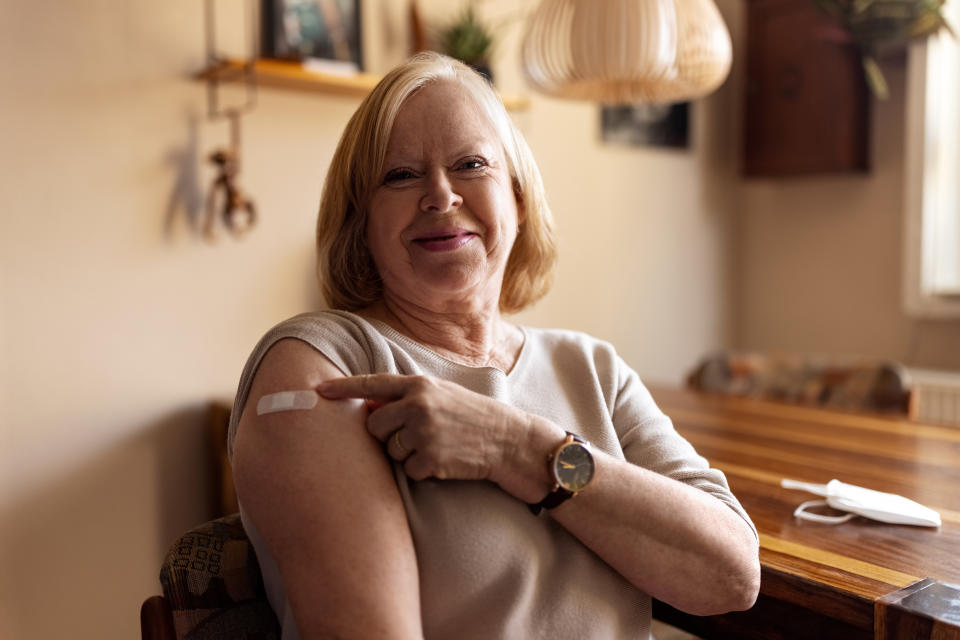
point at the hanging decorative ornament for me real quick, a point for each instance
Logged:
(227, 204)
(626, 51)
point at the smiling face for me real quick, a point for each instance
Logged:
(444, 216)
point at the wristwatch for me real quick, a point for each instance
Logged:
(571, 466)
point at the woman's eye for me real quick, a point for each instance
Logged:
(473, 163)
(397, 175)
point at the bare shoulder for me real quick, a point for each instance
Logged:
(292, 362)
(293, 365)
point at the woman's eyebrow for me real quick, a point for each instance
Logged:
(468, 148)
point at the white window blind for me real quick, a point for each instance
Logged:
(932, 282)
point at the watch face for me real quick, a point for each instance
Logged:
(573, 467)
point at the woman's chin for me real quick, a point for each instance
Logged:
(449, 288)
(451, 275)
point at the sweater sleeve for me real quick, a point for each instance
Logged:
(649, 440)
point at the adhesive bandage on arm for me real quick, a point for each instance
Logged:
(287, 401)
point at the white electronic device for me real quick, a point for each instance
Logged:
(876, 505)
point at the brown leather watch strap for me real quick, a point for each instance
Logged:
(559, 495)
(554, 499)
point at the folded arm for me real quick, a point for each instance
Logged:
(323, 497)
(677, 543)
(674, 541)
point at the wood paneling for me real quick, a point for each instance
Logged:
(807, 105)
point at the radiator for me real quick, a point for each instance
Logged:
(935, 396)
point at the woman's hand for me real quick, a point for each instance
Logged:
(442, 430)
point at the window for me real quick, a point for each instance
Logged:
(932, 283)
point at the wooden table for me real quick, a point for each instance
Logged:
(861, 579)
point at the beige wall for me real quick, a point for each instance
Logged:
(119, 323)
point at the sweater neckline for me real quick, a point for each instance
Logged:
(389, 332)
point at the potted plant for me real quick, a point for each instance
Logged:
(469, 40)
(876, 25)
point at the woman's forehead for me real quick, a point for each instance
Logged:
(440, 96)
(442, 113)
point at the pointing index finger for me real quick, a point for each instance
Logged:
(374, 385)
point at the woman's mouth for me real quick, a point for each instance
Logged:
(446, 240)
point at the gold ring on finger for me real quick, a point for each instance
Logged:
(396, 438)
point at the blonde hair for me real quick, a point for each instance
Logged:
(348, 277)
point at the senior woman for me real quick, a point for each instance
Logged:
(426, 491)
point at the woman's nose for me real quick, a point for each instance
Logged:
(440, 196)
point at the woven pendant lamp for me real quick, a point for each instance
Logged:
(626, 51)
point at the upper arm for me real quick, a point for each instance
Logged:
(321, 492)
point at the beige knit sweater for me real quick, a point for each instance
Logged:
(488, 567)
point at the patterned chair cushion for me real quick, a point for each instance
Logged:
(212, 582)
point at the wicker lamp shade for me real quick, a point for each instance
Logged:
(626, 51)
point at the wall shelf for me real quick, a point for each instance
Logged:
(292, 75)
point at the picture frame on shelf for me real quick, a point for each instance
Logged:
(322, 34)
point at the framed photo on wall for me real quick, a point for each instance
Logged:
(660, 125)
(318, 32)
